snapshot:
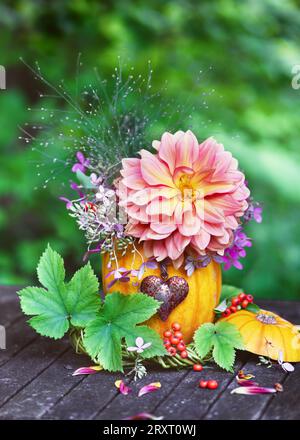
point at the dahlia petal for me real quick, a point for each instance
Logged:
(154, 171)
(167, 151)
(163, 228)
(160, 251)
(187, 149)
(201, 240)
(191, 224)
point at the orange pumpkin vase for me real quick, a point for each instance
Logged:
(194, 310)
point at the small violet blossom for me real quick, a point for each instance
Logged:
(95, 180)
(150, 264)
(192, 263)
(140, 346)
(254, 212)
(82, 163)
(236, 250)
(120, 274)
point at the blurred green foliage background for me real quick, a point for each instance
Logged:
(251, 46)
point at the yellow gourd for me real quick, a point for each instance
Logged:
(266, 334)
(194, 310)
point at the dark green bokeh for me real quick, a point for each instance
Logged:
(251, 47)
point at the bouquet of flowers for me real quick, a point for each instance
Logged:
(164, 216)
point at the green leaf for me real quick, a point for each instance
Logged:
(204, 339)
(229, 292)
(253, 308)
(60, 304)
(224, 355)
(117, 320)
(222, 338)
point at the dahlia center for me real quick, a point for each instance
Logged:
(187, 187)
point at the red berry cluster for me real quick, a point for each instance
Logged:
(237, 303)
(173, 341)
(210, 384)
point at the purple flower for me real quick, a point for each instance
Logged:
(192, 263)
(68, 202)
(76, 188)
(81, 164)
(254, 212)
(95, 180)
(120, 274)
(236, 250)
(150, 264)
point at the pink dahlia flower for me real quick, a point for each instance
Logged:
(186, 197)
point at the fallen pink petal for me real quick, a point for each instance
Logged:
(122, 387)
(87, 370)
(253, 390)
(143, 416)
(149, 388)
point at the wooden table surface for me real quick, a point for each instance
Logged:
(36, 381)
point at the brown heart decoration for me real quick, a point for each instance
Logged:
(170, 292)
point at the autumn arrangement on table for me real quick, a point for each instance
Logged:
(164, 222)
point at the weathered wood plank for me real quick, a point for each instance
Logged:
(240, 407)
(9, 305)
(85, 400)
(47, 389)
(27, 365)
(124, 406)
(18, 336)
(188, 401)
(285, 406)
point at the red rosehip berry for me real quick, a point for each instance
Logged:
(184, 354)
(181, 346)
(226, 312)
(176, 327)
(235, 301)
(233, 309)
(249, 298)
(174, 340)
(172, 351)
(178, 335)
(167, 343)
(203, 383)
(197, 367)
(245, 303)
(167, 334)
(212, 384)
(242, 296)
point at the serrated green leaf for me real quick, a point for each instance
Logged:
(117, 320)
(50, 270)
(229, 292)
(224, 355)
(82, 300)
(228, 333)
(222, 338)
(60, 304)
(204, 339)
